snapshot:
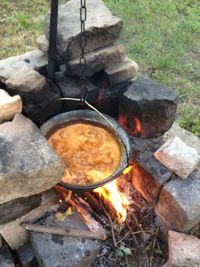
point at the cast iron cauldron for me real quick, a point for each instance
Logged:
(88, 116)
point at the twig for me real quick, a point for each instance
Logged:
(64, 231)
(136, 242)
(111, 224)
(133, 233)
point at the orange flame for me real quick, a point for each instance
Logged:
(137, 131)
(111, 193)
(101, 94)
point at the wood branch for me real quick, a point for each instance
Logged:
(98, 217)
(91, 223)
(93, 202)
(64, 231)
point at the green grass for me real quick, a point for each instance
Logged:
(163, 37)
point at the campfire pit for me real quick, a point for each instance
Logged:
(71, 229)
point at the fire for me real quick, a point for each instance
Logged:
(101, 94)
(111, 193)
(128, 125)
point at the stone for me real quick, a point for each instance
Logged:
(29, 84)
(102, 28)
(122, 71)
(147, 109)
(39, 99)
(178, 157)
(178, 207)
(16, 208)
(187, 137)
(34, 59)
(97, 60)
(41, 112)
(6, 258)
(70, 87)
(184, 250)
(28, 165)
(9, 106)
(43, 44)
(148, 175)
(16, 235)
(52, 250)
(26, 256)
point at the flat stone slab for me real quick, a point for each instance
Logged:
(16, 208)
(54, 251)
(148, 175)
(34, 59)
(6, 258)
(147, 108)
(178, 157)
(97, 60)
(184, 250)
(121, 71)
(178, 207)
(9, 106)
(102, 28)
(28, 165)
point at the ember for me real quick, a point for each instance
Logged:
(135, 129)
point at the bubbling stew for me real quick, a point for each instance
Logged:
(88, 152)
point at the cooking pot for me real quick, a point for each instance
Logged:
(91, 117)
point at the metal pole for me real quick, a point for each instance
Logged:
(52, 39)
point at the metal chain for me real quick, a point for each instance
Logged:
(83, 43)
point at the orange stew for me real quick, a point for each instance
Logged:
(88, 152)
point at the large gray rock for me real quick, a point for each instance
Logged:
(102, 28)
(178, 157)
(178, 207)
(54, 251)
(29, 84)
(147, 109)
(97, 60)
(184, 250)
(34, 59)
(36, 94)
(9, 106)
(28, 165)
